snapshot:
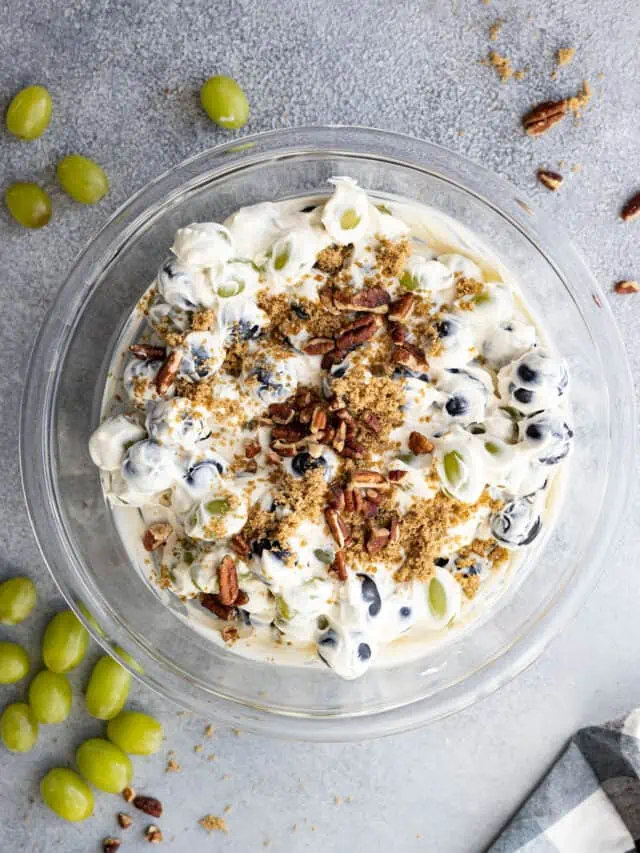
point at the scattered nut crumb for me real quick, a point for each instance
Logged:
(211, 757)
(626, 287)
(128, 794)
(337, 800)
(213, 824)
(172, 766)
(110, 845)
(551, 180)
(198, 747)
(124, 820)
(494, 29)
(210, 730)
(237, 732)
(227, 809)
(631, 208)
(565, 55)
(502, 64)
(153, 834)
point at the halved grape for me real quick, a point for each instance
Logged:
(219, 506)
(452, 467)
(50, 697)
(14, 663)
(349, 219)
(437, 598)
(67, 794)
(17, 600)
(18, 727)
(64, 643)
(108, 689)
(135, 733)
(29, 112)
(224, 102)
(104, 765)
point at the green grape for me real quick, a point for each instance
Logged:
(224, 102)
(82, 179)
(14, 663)
(67, 794)
(492, 448)
(50, 697)
(29, 113)
(126, 657)
(349, 219)
(452, 467)
(18, 727)
(64, 643)
(281, 259)
(437, 598)
(104, 765)
(29, 204)
(135, 733)
(17, 600)
(108, 689)
(323, 556)
(219, 506)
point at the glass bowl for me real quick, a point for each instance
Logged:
(62, 399)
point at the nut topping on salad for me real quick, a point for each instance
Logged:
(342, 427)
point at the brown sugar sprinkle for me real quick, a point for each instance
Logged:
(202, 321)
(502, 64)
(494, 29)
(468, 287)
(392, 256)
(564, 55)
(213, 824)
(334, 258)
(146, 300)
(578, 102)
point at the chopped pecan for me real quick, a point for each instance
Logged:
(338, 528)
(377, 539)
(240, 545)
(303, 398)
(281, 413)
(374, 496)
(284, 448)
(168, 372)
(402, 308)
(350, 499)
(340, 437)
(156, 535)
(292, 432)
(353, 450)
(626, 287)
(148, 805)
(372, 422)
(327, 436)
(305, 414)
(394, 529)
(354, 338)
(419, 443)
(128, 794)
(110, 845)
(318, 420)
(241, 599)
(398, 333)
(368, 480)
(369, 509)
(273, 458)
(319, 346)
(339, 566)
(124, 820)
(146, 352)
(211, 602)
(227, 580)
(252, 448)
(544, 116)
(358, 502)
(410, 357)
(551, 180)
(374, 300)
(335, 496)
(631, 209)
(229, 634)
(343, 414)
(396, 475)
(330, 359)
(153, 834)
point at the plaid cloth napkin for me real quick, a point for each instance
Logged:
(589, 802)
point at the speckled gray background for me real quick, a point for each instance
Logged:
(124, 76)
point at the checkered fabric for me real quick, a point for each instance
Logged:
(589, 802)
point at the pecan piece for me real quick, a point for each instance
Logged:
(394, 529)
(338, 528)
(398, 333)
(148, 805)
(374, 300)
(631, 209)
(419, 443)
(284, 448)
(340, 437)
(551, 180)
(318, 420)
(229, 634)
(124, 820)
(252, 448)
(374, 496)
(292, 432)
(228, 581)
(352, 338)
(372, 422)
(350, 499)
(339, 566)
(319, 346)
(240, 545)
(281, 413)
(168, 372)
(377, 539)
(128, 794)
(626, 287)
(156, 535)
(211, 602)
(369, 509)
(303, 398)
(369, 480)
(146, 352)
(345, 415)
(396, 475)
(153, 834)
(410, 357)
(241, 599)
(335, 496)
(330, 359)
(542, 117)
(353, 450)
(402, 308)
(110, 845)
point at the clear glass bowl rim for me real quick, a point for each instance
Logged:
(39, 394)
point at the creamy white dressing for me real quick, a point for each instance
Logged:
(492, 402)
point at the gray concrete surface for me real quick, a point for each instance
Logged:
(124, 76)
